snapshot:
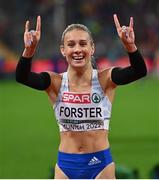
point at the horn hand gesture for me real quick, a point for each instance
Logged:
(126, 34)
(31, 38)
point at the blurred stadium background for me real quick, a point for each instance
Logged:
(28, 132)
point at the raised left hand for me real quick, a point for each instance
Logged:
(126, 33)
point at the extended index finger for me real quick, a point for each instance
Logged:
(38, 24)
(116, 21)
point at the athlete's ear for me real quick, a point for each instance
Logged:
(62, 50)
(93, 49)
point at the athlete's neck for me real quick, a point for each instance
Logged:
(83, 75)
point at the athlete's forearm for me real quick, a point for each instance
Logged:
(34, 80)
(135, 71)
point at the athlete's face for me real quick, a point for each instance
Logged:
(77, 48)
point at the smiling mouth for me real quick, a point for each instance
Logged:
(78, 58)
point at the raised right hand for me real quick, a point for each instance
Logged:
(31, 38)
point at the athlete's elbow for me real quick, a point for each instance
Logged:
(19, 78)
(144, 72)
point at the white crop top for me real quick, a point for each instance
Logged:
(82, 111)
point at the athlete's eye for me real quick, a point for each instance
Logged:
(83, 43)
(70, 44)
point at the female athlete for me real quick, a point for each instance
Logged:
(81, 97)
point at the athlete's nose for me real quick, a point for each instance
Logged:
(77, 49)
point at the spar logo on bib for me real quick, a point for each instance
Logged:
(83, 98)
(96, 98)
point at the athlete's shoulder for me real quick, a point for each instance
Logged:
(56, 80)
(54, 74)
(104, 73)
(105, 79)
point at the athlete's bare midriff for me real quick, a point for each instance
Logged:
(84, 142)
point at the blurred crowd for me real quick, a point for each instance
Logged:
(96, 14)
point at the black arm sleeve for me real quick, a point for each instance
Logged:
(135, 71)
(34, 80)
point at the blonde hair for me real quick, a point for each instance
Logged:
(78, 27)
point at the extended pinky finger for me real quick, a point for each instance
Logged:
(131, 23)
(27, 26)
